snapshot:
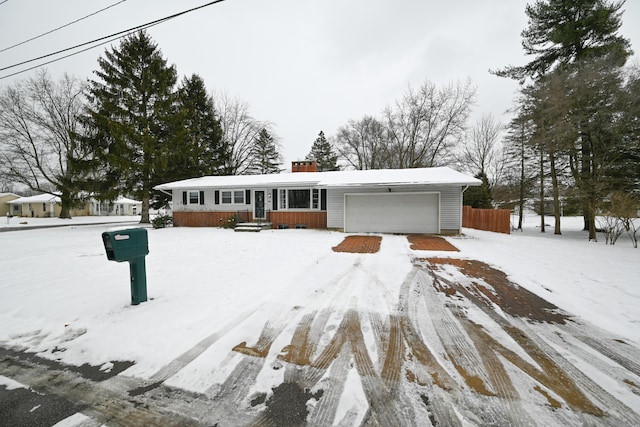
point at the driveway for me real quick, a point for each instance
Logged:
(453, 343)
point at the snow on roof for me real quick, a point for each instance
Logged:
(439, 175)
(127, 201)
(39, 198)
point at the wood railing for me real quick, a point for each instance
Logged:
(498, 220)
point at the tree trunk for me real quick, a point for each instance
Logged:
(65, 202)
(144, 217)
(556, 198)
(542, 230)
(522, 188)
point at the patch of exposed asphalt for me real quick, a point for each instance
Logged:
(287, 406)
(25, 407)
(93, 373)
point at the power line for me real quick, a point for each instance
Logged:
(111, 37)
(61, 27)
(3, 2)
(76, 53)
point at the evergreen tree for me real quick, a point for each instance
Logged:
(266, 158)
(207, 151)
(563, 32)
(132, 119)
(323, 153)
(479, 197)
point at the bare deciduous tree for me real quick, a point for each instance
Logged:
(427, 123)
(240, 131)
(39, 144)
(482, 151)
(420, 130)
(363, 144)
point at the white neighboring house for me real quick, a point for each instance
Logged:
(425, 200)
(48, 206)
(120, 206)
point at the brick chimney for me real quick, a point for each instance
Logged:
(304, 166)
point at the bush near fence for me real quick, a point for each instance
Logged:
(498, 220)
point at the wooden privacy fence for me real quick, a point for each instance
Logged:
(498, 220)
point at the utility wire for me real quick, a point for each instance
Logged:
(4, 2)
(75, 53)
(61, 27)
(111, 38)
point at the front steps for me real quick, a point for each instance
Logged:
(252, 226)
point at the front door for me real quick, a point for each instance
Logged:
(258, 206)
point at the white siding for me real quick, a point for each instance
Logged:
(450, 203)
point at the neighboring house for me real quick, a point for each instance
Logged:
(5, 207)
(121, 206)
(426, 200)
(38, 206)
(48, 206)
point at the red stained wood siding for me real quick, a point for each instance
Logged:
(203, 219)
(310, 219)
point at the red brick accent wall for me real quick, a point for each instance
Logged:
(310, 219)
(202, 219)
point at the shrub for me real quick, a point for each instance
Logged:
(162, 221)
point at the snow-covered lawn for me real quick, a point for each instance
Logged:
(60, 297)
(598, 282)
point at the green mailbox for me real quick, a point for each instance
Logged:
(130, 245)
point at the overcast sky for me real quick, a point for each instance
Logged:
(303, 65)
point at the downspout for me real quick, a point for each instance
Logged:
(461, 206)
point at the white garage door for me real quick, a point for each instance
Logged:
(392, 213)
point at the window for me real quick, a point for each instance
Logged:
(314, 198)
(191, 197)
(194, 197)
(283, 199)
(299, 199)
(238, 197)
(44, 207)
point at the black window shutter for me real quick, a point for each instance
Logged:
(274, 199)
(202, 197)
(247, 196)
(184, 197)
(323, 199)
(216, 196)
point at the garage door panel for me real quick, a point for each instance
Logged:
(392, 213)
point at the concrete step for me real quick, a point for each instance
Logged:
(252, 226)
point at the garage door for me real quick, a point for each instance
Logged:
(392, 213)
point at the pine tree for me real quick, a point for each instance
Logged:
(479, 197)
(564, 32)
(323, 153)
(207, 152)
(266, 158)
(132, 119)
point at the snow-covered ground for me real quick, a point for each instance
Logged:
(598, 282)
(60, 297)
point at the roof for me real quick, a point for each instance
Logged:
(39, 198)
(353, 178)
(126, 201)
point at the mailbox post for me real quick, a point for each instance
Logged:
(130, 245)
